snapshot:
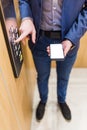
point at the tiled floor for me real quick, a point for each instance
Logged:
(76, 98)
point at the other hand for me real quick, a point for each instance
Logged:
(26, 28)
(66, 47)
(67, 44)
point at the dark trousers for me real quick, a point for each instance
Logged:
(43, 65)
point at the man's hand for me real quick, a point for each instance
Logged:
(66, 46)
(26, 28)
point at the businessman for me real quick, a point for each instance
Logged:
(47, 22)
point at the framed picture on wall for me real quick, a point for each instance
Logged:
(10, 31)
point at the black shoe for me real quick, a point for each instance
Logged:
(40, 111)
(65, 110)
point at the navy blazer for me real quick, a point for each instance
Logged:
(74, 17)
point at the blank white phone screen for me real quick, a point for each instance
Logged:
(56, 51)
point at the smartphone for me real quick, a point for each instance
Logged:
(56, 51)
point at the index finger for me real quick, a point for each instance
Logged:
(21, 37)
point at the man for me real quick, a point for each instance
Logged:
(53, 21)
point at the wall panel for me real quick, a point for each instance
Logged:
(16, 94)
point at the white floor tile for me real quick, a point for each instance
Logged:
(76, 98)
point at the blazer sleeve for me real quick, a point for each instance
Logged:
(79, 27)
(25, 10)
